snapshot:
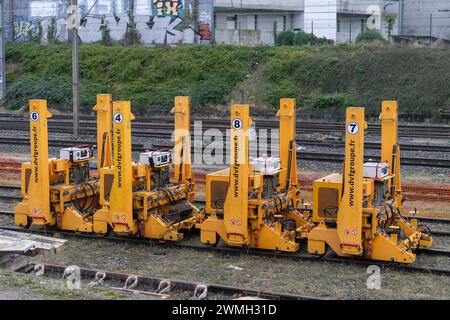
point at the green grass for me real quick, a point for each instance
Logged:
(149, 77)
(331, 78)
(322, 78)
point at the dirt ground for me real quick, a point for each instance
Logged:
(16, 286)
(327, 280)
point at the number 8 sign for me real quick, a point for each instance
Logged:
(236, 123)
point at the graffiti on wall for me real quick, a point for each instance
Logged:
(164, 8)
(205, 20)
(26, 29)
(171, 22)
(158, 21)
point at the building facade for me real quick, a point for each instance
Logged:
(252, 21)
(244, 22)
(157, 21)
(257, 21)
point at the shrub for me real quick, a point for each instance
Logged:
(106, 34)
(52, 30)
(285, 38)
(282, 89)
(132, 35)
(302, 38)
(369, 36)
(299, 38)
(56, 90)
(330, 102)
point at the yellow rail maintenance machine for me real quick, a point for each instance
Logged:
(140, 198)
(360, 213)
(255, 204)
(61, 192)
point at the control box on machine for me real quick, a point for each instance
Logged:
(376, 170)
(156, 158)
(266, 165)
(76, 153)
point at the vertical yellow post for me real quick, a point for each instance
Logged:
(121, 206)
(286, 113)
(349, 220)
(389, 131)
(104, 128)
(182, 141)
(39, 185)
(236, 202)
(390, 150)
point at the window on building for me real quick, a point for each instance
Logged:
(338, 25)
(232, 22)
(363, 25)
(284, 23)
(256, 22)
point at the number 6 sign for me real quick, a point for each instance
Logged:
(34, 116)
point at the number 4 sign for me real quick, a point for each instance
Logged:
(118, 117)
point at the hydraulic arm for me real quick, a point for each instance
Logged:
(140, 198)
(59, 192)
(253, 203)
(357, 212)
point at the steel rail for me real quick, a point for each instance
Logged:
(300, 142)
(178, 285)
(298, 256)
(302, 127)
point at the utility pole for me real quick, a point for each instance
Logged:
(350, 31)
(75, 69)
(2, 51)
(11, 20)
(131, 7)
(431, 28)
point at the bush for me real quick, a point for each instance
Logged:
(282, 89)
(369, 36)
(52, 31)
(132, 34)
(106, 34)
(302, 38)
(150, 77)
(285, 38)
(299, 38)
(330, 102)
(56, 90)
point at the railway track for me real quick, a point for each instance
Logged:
(157, 287)
(327, 143)
(146, 126)
(301, 155)
(223, 250)
(340, 157)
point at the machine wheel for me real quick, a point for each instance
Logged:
(424, 229)
(103, 235)
(28, 225)
(214, 244)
